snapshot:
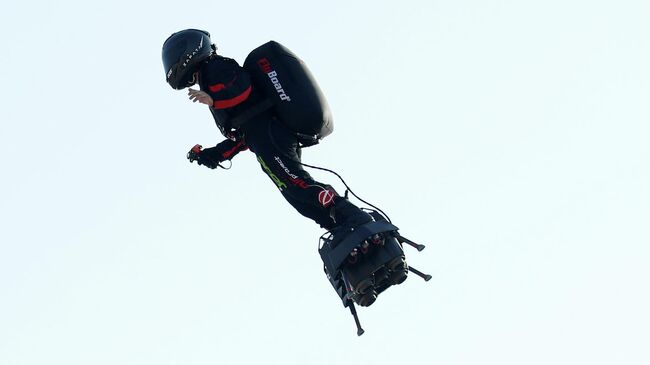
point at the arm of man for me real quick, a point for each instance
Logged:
(212, 157)
(226, 83)
(225, 150)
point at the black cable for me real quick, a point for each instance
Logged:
(324, 169)
(347, 188)
(225, 168)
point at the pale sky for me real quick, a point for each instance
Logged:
(510, 137)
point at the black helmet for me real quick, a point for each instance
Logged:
(182, 52)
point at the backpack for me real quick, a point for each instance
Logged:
(287, 86)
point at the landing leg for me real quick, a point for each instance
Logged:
(410, 243)
(353, 310)
(426, 277)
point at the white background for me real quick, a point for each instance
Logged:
(510, 137)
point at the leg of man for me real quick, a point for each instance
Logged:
(278, 152)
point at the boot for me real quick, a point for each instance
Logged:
(347, 214)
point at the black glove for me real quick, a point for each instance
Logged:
(197, 154)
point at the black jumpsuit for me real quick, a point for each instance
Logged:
(277, 148)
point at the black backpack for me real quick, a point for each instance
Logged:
(287, 86)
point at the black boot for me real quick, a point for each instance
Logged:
(347, 214)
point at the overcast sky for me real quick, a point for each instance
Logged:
(510, 137)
